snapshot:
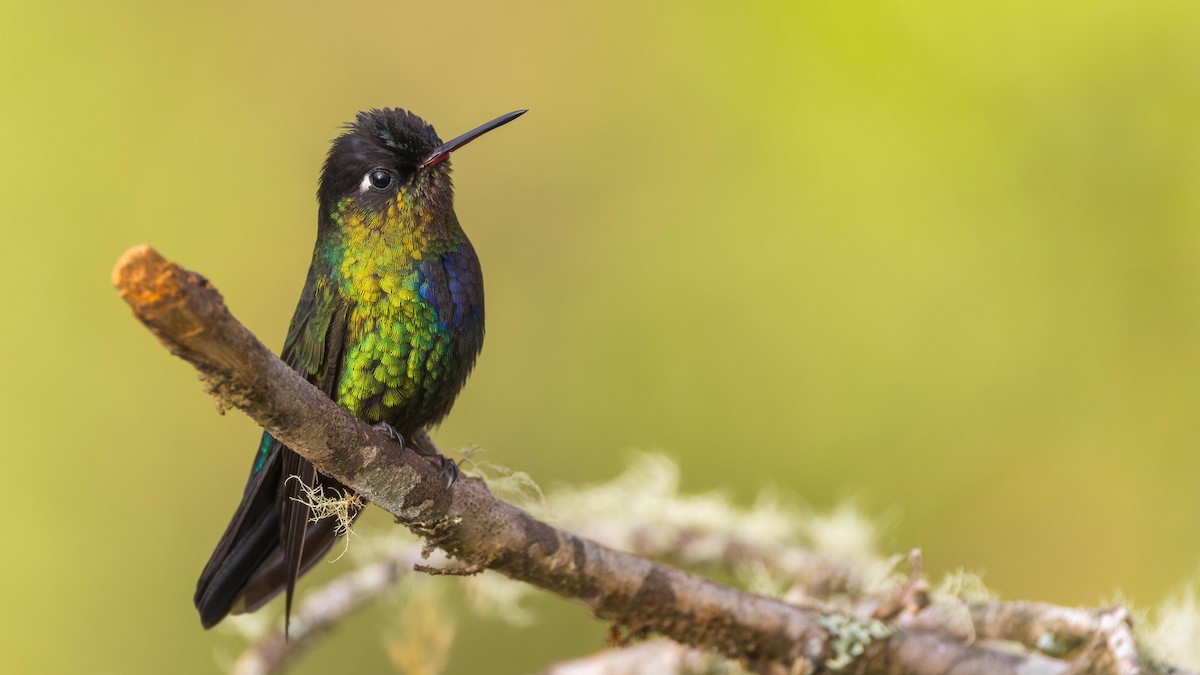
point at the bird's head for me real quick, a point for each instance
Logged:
(390, 160)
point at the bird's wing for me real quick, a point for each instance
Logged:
(314, 347)
(269, 542)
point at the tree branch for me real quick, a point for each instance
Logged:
(640, 597)
(189, 317)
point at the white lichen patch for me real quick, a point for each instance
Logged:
(651, 486)
(957, 591)
(342, 505)
(510, 485)
(644, 509)
(1172, 632)
(961, 586)
(411, 514)
(397, 486)
(851, 637)
(1049, 644)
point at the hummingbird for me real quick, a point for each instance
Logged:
(389, 325)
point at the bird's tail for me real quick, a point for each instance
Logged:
(270, 541)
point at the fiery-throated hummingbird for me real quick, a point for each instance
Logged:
(389, 324)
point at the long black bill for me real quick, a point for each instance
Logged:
(441, 152)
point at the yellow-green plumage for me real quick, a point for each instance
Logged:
(399, 351)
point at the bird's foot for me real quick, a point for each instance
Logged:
(423, 446)
(448, 469)
(390, 431)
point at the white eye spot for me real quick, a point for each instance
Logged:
(377, 178)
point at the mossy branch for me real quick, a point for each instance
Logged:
(638, 596)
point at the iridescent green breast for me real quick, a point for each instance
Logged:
(411, 339)
(397, 358)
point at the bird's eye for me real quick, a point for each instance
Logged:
(380, 179)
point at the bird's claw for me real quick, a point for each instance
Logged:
(391, 432)
(446, 467)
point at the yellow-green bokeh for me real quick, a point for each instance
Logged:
(937, 256)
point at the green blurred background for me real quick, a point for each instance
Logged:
(938, 257)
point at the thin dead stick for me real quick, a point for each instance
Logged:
(321, 610)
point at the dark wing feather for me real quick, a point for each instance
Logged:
(269, 542)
